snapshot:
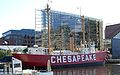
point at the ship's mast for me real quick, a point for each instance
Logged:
(48, 18)
(89, 33)
(83, 30)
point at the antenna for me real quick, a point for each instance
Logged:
(35, 26)
(79, 10)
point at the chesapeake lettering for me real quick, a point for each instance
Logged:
(72, 58)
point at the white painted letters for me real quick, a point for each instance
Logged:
(53, 59)
(82, 56)
(90, 57)
(94, 56)
(69, 59)
(86, 58)
(64, 59)
(78, 58)
(73, 58)
(59, 60)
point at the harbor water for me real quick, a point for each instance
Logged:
(109, 69)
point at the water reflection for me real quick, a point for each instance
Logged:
(94, 70)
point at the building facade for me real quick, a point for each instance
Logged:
(112, 35)
(110, 32)
(24, 37)
(63, 26)
(115, 43)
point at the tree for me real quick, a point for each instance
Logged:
(2, 53)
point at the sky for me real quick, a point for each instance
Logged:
(20, 14)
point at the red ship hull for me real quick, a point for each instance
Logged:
(61, 60)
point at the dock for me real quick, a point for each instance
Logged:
(113, 61)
